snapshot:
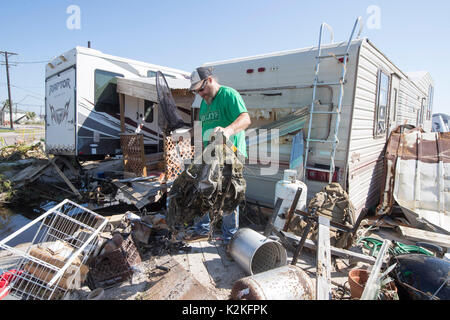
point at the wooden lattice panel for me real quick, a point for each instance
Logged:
(175, 153)
(133, 154)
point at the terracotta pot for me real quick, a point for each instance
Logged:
(357, 279)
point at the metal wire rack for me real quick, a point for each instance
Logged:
(56, 259)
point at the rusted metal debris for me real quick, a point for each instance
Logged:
(416, 164)
(283, 283)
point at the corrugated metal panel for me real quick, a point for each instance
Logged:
(418, 166)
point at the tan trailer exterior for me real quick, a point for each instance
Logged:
(275, 85)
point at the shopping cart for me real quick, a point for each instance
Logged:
(56, 260)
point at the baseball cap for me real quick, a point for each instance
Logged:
(198, 76)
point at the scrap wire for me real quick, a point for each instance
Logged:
(398, 248)
(438, 290)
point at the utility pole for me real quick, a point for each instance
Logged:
(6, 53)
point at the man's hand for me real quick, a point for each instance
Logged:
(227, 132)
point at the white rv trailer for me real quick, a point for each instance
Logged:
(82, 109)
(440, 122)
(378, 97)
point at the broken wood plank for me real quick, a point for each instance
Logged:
(196, 264)
(323, 272)
(425, 236)
(176, 284)
(69, 165)
(62, 189)
(182, 259)
(213, 263)
(66, 180)
(342, 253)
(28, 175)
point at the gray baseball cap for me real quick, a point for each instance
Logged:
(198, 76)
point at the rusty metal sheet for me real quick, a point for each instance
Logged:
(417, 175)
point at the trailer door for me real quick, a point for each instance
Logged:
(60, 113)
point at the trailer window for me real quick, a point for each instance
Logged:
(148, 111)
(106, 98)
(430, 102)
(381, 103)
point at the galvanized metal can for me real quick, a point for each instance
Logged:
(256, 253)
(284, 283)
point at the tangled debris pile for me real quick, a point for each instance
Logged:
(214, 186)
(134, 258)
(333, 202)
(21, 151)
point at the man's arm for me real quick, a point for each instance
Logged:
(241, 123)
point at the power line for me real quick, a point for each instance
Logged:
(6, 53)
(35, 93)
(26, 87)
(29, 105)
(32, 92)
(28, 62)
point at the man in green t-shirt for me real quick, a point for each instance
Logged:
(222, 109)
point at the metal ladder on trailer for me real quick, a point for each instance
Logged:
(334, 141)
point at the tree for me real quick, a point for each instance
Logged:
(5, 104)
(31, 115)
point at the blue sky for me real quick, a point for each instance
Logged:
(185, 34)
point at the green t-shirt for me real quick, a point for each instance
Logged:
(224, 109)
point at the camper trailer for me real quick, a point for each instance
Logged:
(82, 108)
(440, 122)
(278, 89)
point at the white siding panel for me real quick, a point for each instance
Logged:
(365, 186)
(365, 151)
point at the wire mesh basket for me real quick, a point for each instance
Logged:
(55, 261)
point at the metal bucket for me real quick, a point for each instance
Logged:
(256, 253)
(284, 283)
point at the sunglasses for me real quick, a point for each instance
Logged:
(202, 87)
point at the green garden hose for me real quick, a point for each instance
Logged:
(399, 248)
